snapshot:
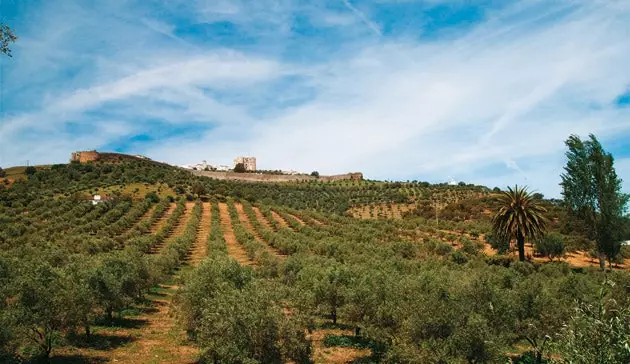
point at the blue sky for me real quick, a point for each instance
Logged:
(483, 91)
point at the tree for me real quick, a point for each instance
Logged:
(315, 174)
(239, 168)
(592, 194)
(30, 170)
(6, 37)
(198, 188)
(2, 172)
(551, 246)
(519, 217)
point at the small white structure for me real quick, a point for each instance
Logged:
(452, 182)
(97, 199)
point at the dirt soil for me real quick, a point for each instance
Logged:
(247, 224)
(262, 218)
(200, 248)
(159, 340)
(334, 355)
(300, 221)
(178, 230)
(162, 220)
(281, 220)
(146, 216)
(235, 250)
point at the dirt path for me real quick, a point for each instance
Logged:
(300, 221)
(151, 337)
(158, 340)
(162, 220)
(200, 248)
(235, 250)
(247, 224)
(178, 230)
(334, 355)
(281, 220)
(145, 216)
(262, 218)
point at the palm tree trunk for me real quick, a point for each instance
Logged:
(520, 241)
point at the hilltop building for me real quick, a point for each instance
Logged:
(84, 156)
(248, 162)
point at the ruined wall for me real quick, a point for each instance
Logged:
(84, 156)
(255, 177)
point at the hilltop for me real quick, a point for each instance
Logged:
(331, 271)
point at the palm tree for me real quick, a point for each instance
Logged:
(519, 217)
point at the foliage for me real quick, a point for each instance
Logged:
(7, 36)
(597, 332)
(240, 168)
(519, 217)
(500, 243)
(410, 290)
(315, 174)
(592, 193)
(30, 170)
(551, 246)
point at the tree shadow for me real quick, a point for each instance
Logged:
(77, 359)
(123, 323)
(98, 341)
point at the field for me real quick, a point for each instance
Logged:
(235, 272)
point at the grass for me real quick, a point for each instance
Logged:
(136, 190)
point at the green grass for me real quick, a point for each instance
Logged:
(137, 190)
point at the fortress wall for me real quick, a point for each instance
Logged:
(255, 177)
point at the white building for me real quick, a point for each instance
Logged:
(96, 199)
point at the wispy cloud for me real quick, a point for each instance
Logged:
(363, 17)
(302, 85)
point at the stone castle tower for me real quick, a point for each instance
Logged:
(248, 162)
(84, 156)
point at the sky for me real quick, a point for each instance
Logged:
(480, 91)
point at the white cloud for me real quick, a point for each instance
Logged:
(506, 94)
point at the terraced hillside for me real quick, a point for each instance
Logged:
(238, 272)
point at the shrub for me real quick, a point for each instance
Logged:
(501, 245)
(152, 196)
(458, 257)
(443, 249)
(551, 246)
(30, 170)
(239, 168)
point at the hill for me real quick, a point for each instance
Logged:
(177, 267)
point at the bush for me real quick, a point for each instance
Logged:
(551, 246)
(30, 170)
(152, 196)
(458, 257)
(315, 174)
(501, 245)
(239, 168)
(443, 249)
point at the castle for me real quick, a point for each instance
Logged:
(84, 156)
(248, 162)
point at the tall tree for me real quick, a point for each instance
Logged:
(519, 217)
(592, 193)
(6, 37)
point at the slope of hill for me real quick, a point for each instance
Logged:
(235, 271)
